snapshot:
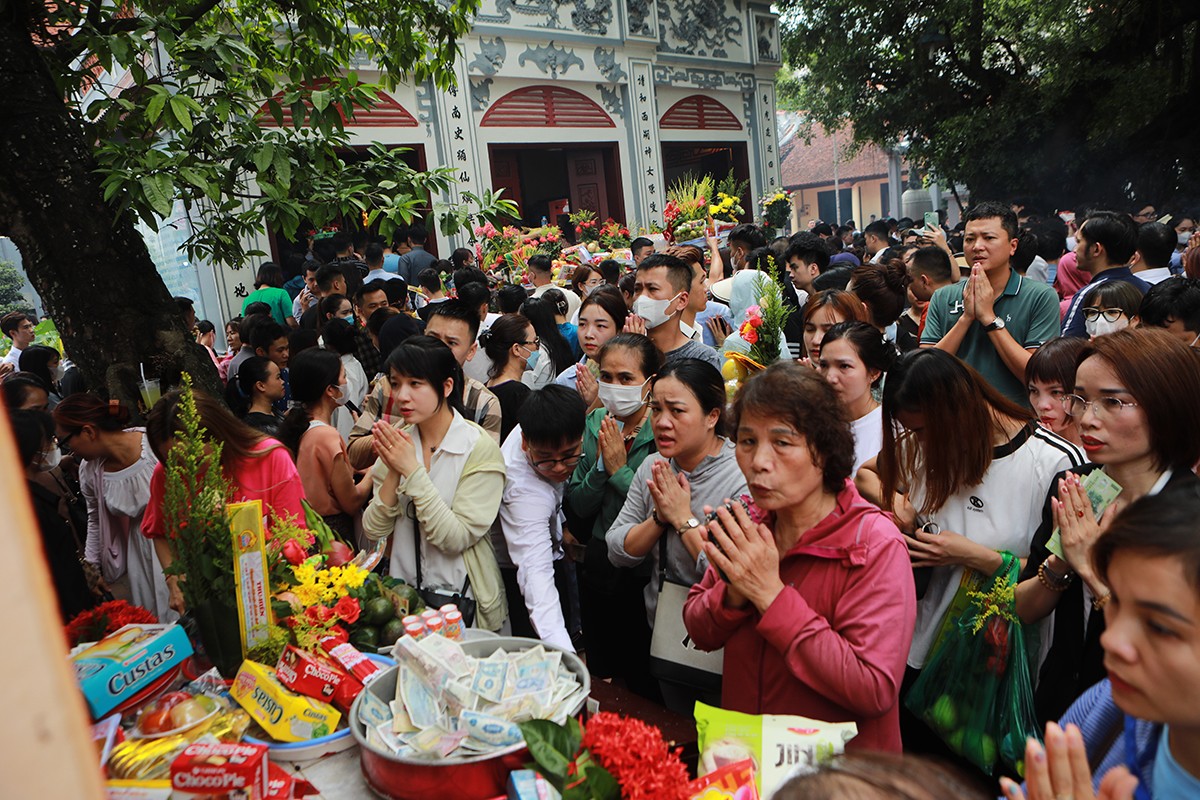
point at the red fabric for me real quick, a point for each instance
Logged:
(271, 478)
(833, 645)
(1069, 278)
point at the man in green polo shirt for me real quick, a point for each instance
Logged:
(995, 318)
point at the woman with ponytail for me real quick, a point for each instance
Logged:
(116, 465)
(250, 395)
(319, 386)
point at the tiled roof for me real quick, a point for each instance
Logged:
(808, 164)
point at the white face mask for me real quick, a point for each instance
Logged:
(654, 312)
(1100, 326)
(1183, 238)
(621, 401)
(342, 398)
(60, 371)
(48, 459)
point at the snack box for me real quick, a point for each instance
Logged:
(285, 715)
(309, 674)
(127, 661)
(217, 771)
(138, 790)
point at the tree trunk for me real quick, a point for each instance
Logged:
(92, 270)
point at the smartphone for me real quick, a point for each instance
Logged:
(931, 219)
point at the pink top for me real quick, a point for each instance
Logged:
(319, 448)
(833, 645)
(271, 478)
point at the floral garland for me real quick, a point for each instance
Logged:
(96, 623)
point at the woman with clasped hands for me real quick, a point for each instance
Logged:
(817, 607)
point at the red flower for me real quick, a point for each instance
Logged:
(96, 623)
(347, 610)
(338, 633)
(318, 614)
(637, 756)
(294, 552)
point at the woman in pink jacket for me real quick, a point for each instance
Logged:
(817, 607)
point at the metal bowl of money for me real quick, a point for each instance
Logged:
(447, 731)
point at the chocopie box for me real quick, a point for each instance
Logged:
(220, 771)
(127, 661)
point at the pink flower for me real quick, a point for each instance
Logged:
(340, 554)
(294, 552)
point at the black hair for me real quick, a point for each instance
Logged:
(1114, 294)
(541, 263)
(1117, 233)
(293, 265)
(324, 250)
(1156, 243)
(16, 388)
(650, 358)
(417, 234)
(240, 391)
(610, 271)
(36, 359)
(269, 274)
(428, 359)
(329, 305)
(457, 309)
(32, 429)
(1055, 362)
(627, 284)
(809, 248)
(465, 275)
(259, 307)
(1051, 235)
(248, 325)
(510, 297)
(823, 228)
(377, 285)
(779, 247)
(327, 274)
(373, 255)
(540, 313)
(379, 317)
(610, 301)
(833, 278)
(1160, 525)
(934, 262)
(300, 339)
(396, 290)
(878, 228)
(184, 304)
(761, 259)
(342, 241)
(205, 327)
(475, 295)
(703, 380)
(396, 330)
(311, 373)
(460, 256)
(679, 272)
(639, 243)
(749, 235)
(881, 286)
(430, 280)
(266, 334)
(497, 340)
(552, 416)
(990, 209)
(1027, 250)
(13, 319)
(873, 349)
(340, 337)
(1176, 298)
(555, 297)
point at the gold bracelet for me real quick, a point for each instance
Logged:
(1100, 602)
(1051, 580)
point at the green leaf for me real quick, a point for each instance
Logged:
(155, 107)
(180, 109)
(600, 783)
(158, 190)
(552, 746)
(283, 168)
(320, 99)
(264, 157)
(194, 177)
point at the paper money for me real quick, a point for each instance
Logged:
(436, 741)
(1101, 491)
(446, 654)
(490, 680)
(419, 701)
(490, 730)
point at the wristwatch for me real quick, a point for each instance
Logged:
(688, 524)
(994, 325)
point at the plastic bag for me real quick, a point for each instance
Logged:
(976, 690)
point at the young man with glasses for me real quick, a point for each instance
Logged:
(540, 455)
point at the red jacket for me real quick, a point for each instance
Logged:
(833, 645)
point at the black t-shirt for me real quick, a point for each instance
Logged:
(906, 334)
(267, 423)
(512, 395)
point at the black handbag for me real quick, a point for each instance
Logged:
(434, 598)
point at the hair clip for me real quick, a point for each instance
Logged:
(114, 407)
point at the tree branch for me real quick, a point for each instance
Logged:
(74, 47)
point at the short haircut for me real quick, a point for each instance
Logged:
(374, 255)
(269, 274)
(461, 256)
(248, 324)
(301, 339)
(1055, 361)
(417, 234)
(552, 416)
(1051, 235)
(18, 385)
(258, 307)
(266, 334)
(342, 241)
(377, 285)
(540, 263)
(990, 209)
(833, 278)
(1114, 294)
(1156, 243)
(878, 229)
(340, 337)
(327, 274)
(510, 297)
(933, 262)
(379, 318)
(809, 248)
(475, 295)
(679, 274)
(1159, 525)
(204, 326)
(1117, 233)
(12, 320)
(650, 360)
(1175, 298)
(823, 229)
(465, 275)
(429, 280)
(798, 396)
(639, 243)
(456, 309)
(396, 289)
(610, 269)
(1163, 375)
(749, 235)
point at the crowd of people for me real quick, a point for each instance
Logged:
(567, 456)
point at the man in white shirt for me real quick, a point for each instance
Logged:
(540, 455)
(18, 326)
(877, 239)
(541, 275)
(1156, 244)
(374, 259)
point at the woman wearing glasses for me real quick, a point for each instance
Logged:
(438, 483)
(1111, 306)
(1133, 404)
(509, 344)
(974, 463)
(695, 466)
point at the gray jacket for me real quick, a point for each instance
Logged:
(714, 479)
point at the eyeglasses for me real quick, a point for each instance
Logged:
(537, 342)
(1076, 406)
(551, 463)
(66, 440)
(1091, 314)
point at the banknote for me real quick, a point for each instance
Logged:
(490, 680)
(1101, 490)
(490, 730)
(419, 701)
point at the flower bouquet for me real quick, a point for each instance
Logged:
(687, 207)
(761, 329)
(492, 245)
(96, 623)
(727, 208)
(776, 208)
(614, 235)
(587, 229)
